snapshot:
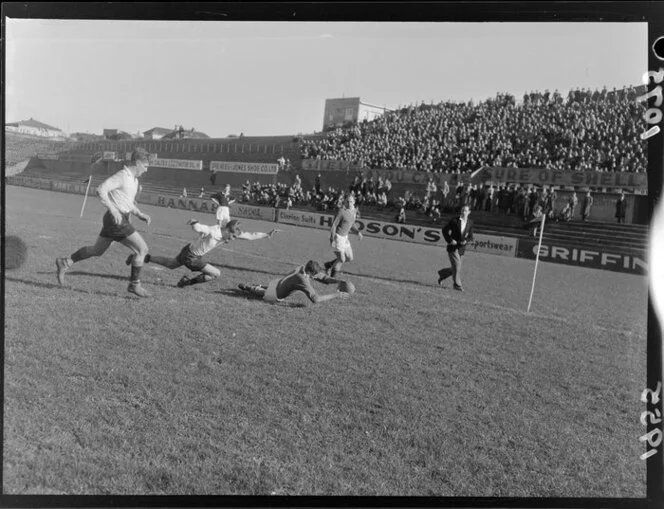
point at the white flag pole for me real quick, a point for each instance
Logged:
(86, 194)
(539, 245)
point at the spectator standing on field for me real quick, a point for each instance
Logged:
(587, 205)
(457, 233)
(388, 187)
(401, 216)
(621, 208)
(573, 202)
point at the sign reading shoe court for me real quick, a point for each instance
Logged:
(567, 254)
(241, 167)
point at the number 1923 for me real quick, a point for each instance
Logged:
(654, 438)
(653, 115)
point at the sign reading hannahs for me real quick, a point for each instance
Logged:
(573, 255)
(238, 167)
(200, 205)
(504, 246)
(180, 164)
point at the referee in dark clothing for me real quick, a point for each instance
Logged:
(457, 232)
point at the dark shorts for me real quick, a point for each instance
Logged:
(116, 232)
(190, 260)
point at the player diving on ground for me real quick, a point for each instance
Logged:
(191, 255)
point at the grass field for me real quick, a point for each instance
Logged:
(407, 388)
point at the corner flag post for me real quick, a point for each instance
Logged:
(86, 194)
(539, 246)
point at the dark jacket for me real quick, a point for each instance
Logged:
(452, 231)
(621, 208)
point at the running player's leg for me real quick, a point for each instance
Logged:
(98, 249)
(165, 261)
(136, 243)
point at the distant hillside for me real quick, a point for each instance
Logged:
(20, 147)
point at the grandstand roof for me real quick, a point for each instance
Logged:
(186, 134)
(158, 130)
(34, 123)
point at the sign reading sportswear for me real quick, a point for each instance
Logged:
(573, 255)
(491, 244)
(239, 167)
(180, 164)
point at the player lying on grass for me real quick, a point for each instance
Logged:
(300, 280)
(191, 255)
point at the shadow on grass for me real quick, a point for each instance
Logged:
(245, 269)
(235, 292)
(92, 274)
(58, 287)
(434, 276)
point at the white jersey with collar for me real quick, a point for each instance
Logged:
(121, 188)
(210, 237)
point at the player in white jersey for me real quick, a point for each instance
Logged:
(223, 201)
(118, 194)
(191, 255)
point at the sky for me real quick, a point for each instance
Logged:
(272, 78)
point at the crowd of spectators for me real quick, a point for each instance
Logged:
(587, 130)
(523, 202)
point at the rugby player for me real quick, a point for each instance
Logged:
(344, 222)
(118, 194)
(223, 201)
(298, 280)
(191, 255)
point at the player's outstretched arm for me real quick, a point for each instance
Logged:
(198, 227)
(256, 235)
(327, 280)
(330, 296)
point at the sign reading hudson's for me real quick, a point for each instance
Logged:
(239, 167)
(504, 246)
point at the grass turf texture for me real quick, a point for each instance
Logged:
(406, 388)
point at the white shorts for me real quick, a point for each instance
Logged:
(271, 292)
(223, 215)
(342, 245)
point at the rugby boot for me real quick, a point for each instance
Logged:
(136, 288)
(62, 266)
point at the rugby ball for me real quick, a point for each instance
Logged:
(347, 287)
(16, 252)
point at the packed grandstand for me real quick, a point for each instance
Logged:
(587, 130)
